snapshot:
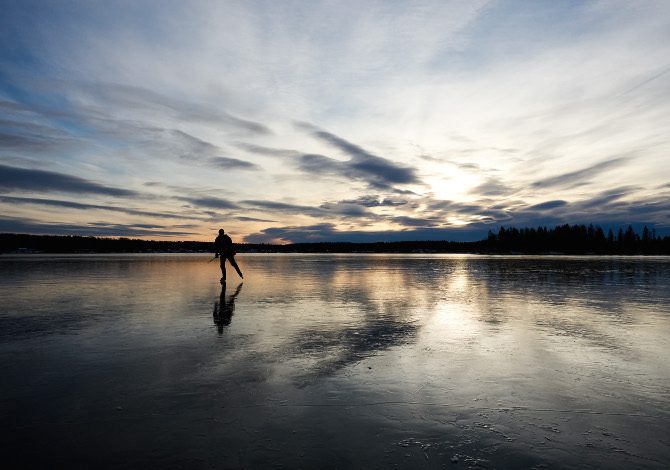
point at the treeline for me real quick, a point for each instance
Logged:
(578, 239)
(13, 242)
(563, 239)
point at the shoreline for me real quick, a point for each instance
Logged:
(336, 253)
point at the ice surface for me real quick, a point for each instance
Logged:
(335, 361)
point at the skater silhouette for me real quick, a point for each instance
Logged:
(223, 311)
(223, 246)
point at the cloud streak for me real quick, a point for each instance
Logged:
(23, 225)
(210, 202)
(575, 177)
(227, 163)
(377, 171)
(25, 179)
(84, 206)
(136, 97)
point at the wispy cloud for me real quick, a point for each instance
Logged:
(226, 163)
(267, 151)
(83, 206)
(418, 221)
(575, 177)
(283, 208)
(210, 202)
(548, 205)
(140, 98)
(22, 225)
(375, 201)
(25, 179)
(603, 199)
(377, 171)
(493, 187)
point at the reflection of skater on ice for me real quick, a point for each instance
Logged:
(223, 311)
(223, 247)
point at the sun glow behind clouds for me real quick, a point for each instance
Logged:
(456, 185)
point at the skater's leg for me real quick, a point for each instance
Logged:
(233, 263)
(223, 269)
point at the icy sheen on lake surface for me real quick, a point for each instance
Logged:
(335, 361)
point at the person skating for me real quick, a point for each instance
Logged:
(223, 247)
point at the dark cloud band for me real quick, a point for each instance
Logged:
(575, 177)
(378, 172)
(82, 206)
(24, 179)
(10, 225)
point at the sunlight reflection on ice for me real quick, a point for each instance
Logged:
(508, 361)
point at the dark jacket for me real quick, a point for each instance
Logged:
(223, 245)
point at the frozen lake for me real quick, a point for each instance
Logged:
(335, 361)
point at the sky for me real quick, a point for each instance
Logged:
(299, 121)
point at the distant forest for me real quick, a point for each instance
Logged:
(562, 239)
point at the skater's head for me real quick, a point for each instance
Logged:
(221, 232)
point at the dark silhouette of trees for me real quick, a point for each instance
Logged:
(576, 239)
(10, 242)
(561, 239)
